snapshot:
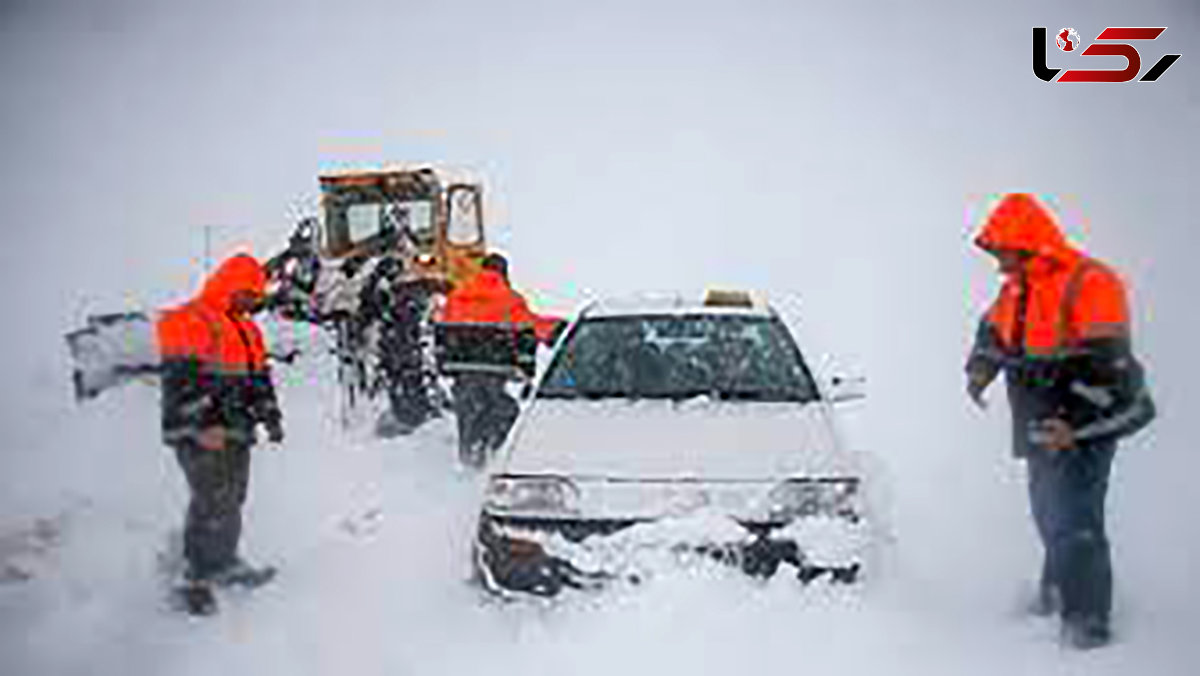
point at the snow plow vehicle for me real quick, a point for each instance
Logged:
(676, 428)
(390, 243)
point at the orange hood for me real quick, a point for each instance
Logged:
(239, 272)
(1020, 222)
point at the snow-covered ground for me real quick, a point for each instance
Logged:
(372, 538)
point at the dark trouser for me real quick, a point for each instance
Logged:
(408, 384)
(485, 412)
(1066, 492)
(403, 361)
(217, 481)
(410, 400)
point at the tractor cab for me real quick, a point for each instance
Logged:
(389, 243)
(433, 222)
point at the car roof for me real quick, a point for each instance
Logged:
(672, 303)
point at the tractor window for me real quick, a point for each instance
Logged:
(362, 221)
(464, 225)
(368, 219)
(416, 215)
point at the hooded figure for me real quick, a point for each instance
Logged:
(216, 388)
(1059, 331)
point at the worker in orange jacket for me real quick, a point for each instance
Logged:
(216, 389)
(487, 298)
(484, 409)
(1059, 332)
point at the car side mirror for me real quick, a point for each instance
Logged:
(845, 388)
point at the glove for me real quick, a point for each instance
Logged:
(975, 387)
(559, 327)
(1053, 435)
(212, 438)
(275, 431)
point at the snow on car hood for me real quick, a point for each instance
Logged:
(660, 439)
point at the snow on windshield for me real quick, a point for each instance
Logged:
(680, 357)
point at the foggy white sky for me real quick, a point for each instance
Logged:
(831, 151)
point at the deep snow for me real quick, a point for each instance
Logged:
(373, 540)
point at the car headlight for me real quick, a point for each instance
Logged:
(544, 494)
(798, 498)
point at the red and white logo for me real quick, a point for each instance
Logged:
(1110, 42)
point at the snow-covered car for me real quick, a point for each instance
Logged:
(686, 429)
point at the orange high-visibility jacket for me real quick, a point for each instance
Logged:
(214, 369)
(1059, 331)
(203, 329)
(1068, 297)
(486, 298)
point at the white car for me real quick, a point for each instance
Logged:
(685, 428)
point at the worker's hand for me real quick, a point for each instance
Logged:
(275, 432)
(975, 387)
(212, 438)
(559, 327)
(1055, 435)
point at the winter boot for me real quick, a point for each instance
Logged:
(472, 453)
(1046, 603)
(196, 597)
(242, 574)
(1086, 633)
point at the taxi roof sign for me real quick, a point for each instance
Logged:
(727, 298)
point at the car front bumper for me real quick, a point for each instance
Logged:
(543, 556)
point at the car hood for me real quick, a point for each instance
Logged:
(697, 439)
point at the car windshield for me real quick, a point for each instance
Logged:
(678, 357)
